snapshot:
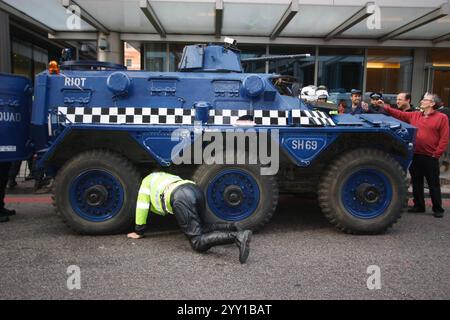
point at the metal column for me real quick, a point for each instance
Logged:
(5, 43)
(114, 48)
(418, 74)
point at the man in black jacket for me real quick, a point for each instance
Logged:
(404, 102)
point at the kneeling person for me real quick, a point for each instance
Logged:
(164, 193)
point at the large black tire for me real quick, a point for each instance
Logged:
(120, 169)
(332, 185)
(268, 189)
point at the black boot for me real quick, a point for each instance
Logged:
(243, 239)
(205, 241)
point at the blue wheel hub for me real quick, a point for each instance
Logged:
(96, 195)
(233, 195)
(366, 193)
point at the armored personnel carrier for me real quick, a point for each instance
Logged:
(244, 138)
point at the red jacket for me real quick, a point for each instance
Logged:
(433, 130)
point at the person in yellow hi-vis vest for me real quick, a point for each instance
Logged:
(164, 193)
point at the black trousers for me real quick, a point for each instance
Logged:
(188, 203)
(14, 170)
(426, 167)
(4, 171)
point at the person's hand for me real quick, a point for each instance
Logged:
(134, 235)
(365, 106)
(381, 105)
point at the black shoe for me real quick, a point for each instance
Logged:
(243, 239)
(416, 210)
(6, 212)
(4, 218)
(439, 212)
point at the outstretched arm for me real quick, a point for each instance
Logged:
(142, 209)
(398, 114)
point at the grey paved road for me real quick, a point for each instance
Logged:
(297, 256)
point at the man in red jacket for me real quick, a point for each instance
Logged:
(431, 143)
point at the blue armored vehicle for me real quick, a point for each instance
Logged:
(244, 138)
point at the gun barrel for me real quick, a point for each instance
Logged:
(278, 57)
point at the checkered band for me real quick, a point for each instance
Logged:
(271, 117)
(127, 115)
(225, 116)
(182, 116)
(260, 117)
(311, 118)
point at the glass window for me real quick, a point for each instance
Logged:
(28, 59)
(389, 71)
(253, 52)
(22, 58)
(155, 56)
(441, 85)
(40, 58)
(341, 69)
(440, 73)
(175, 53)
(301, 69)
(439, 57)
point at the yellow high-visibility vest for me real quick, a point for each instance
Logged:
(152, 188)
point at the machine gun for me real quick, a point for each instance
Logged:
(276, 57)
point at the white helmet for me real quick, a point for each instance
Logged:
(322, 93)
(308, 93)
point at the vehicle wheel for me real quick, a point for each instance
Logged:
(237, 193)
(363, 192)
(96, 192)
